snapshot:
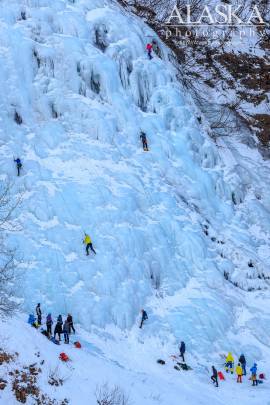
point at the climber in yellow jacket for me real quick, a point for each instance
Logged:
(229, 363)
(88, 244)
(239, 372)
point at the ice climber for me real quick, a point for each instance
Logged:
(49, 323)
(144, 141)
(149, 48)
(242, 361)
(58, 327)
(214, 376)
(239, 373)
(38, 312)
(88, 243)
(229, 363)
(144, 317)
(19, 165)
(70, 322)
(66, 331)
(182, 349)
(253, 371)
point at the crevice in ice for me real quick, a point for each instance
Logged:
(101, 41)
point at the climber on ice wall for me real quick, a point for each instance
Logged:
(144, 317)
(149, 48)
(144, 141)
(88, 244)
(19, 165)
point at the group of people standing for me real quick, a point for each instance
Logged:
(67, 326)
(240, 370)
(61, 327)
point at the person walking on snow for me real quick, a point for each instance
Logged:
(253, 371)
(242, 361)
(88, 244)
(239, 372)
(149, 48)
(70, 322)
(214, 376)
(49, 323)
(38, 312)
(58, 327)
(19, 165)
(144, 317)
(229, 363)
(66, 331)
(182, 349)
(144, 141)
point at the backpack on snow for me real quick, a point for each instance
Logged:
(77, 345)
(221, 376)
(160, 361)
(31, 319)
(183, 366)
(63, 356)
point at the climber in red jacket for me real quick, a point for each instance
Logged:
(149, 48)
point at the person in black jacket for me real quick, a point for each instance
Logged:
(58, 327)
(182, 349)
(242, 361)
(144, 141)
(70, 321)
(38, 312)
(214, 376)
(144, 317)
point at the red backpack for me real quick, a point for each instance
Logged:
(221, 376)
(77, 345)
(63, 356)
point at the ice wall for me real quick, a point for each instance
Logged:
(186, 221)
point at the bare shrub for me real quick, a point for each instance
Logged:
(55, 378)
(106, 395)
(7, 256)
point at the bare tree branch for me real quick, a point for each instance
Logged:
(7, 256)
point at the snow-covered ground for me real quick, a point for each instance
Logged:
(124, 360)
(176, 228)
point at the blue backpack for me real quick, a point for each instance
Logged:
(31, 319)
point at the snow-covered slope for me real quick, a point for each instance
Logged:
(125, 362)
(182, 230)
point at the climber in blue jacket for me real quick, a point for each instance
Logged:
(19, 165)
(253, 371)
